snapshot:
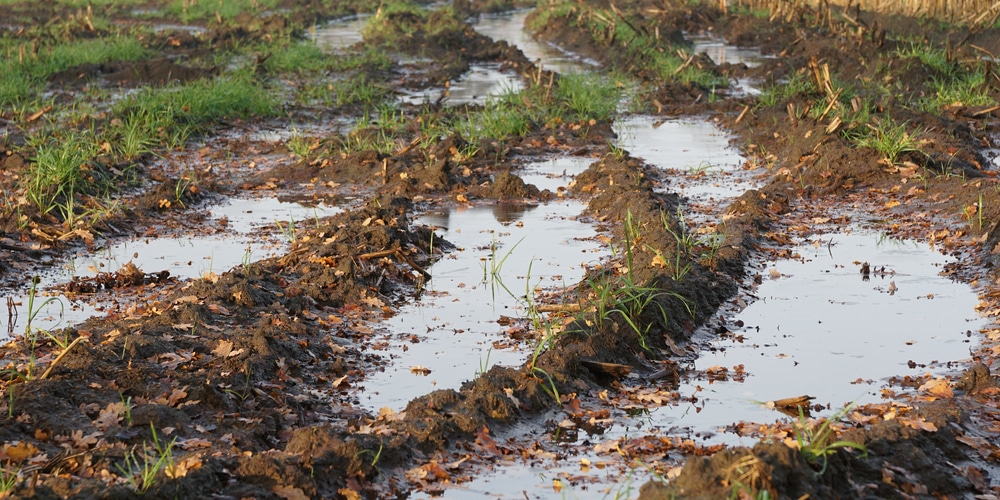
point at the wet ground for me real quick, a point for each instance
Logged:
(496, 250)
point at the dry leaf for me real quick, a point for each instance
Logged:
(289, 493)
(938, 387)
(920, 424)
(81, 442)
(181, 468)
(110, 416)
(224, 348)
(193, 443)
(17, 452)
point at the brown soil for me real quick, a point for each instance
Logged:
(255, 372)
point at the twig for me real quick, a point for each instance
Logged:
(37, 114)
(399, 254)
(377, 255)
(412, 264)
(60, 357)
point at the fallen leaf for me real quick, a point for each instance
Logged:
(194, 443)
(17, 452)
(289, 493)
(938, 387)
(110, 416)
(223, 349)
(180, 469)
(920, 424)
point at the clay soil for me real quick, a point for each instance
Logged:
(254, 375)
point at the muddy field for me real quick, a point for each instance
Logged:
(318, 249)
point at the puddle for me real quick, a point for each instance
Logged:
(474, 87)
(250, 233)
(690, 146)
(187, 28)
(721, 53)
(819, 329)
(339, 33)
(510, 28)
(555, 174)
(823, 331)
(453, 330)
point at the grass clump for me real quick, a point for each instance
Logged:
(887, 138)
(25, 68)
(968, 89)
(62, 167)
(815, 441)
(194, 10)
(587, 96)
(779, 92)
(142, 467)
(654, 56)
(168, 116)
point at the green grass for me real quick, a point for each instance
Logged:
(814, 441)
(298, 57)
(502, 117)
(167, 116)
(967, 89)
(655, 57)
(208, 10)
(24, 71)
(60, 171)
(142, 467)
(780, 92)
(588, 96)
(889, 139)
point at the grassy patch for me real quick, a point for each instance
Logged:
(25, 68)
(204, 10)
(779, 92)
(610, 28)
(887, 138)
(587, 96)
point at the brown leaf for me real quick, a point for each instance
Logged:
(920, 424)
(430, 471)
(176, 395)
(223, 349)
(289, 493)
(17, 452)
(81, 442)
(110, 416)
(180, 469)
(938, 387)
(194, 443)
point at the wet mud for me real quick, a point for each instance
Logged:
(271, 374)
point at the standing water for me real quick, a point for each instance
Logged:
(458, 328)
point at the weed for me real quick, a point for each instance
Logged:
(814, 441)
(288, 230)
(299, 144)
(59, 171)
(588, 96)
(888, 139)
(780, 92)
(617, 151)
(376, 455)
(484, 365)
(492, 266)
(8, 480)
(141, 469)
(127, 411)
